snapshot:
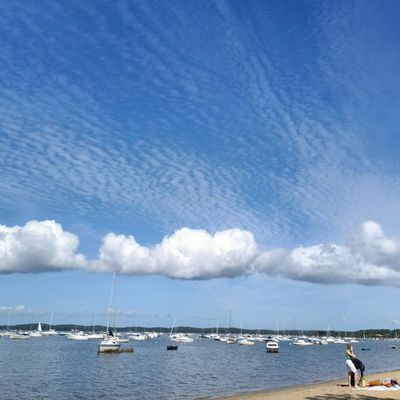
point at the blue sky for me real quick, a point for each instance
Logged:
(219, 155)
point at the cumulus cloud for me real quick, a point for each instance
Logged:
(38, 246)
(369, 257)
(187, 254)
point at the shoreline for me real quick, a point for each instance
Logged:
(327, 390)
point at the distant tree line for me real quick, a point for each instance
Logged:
(366, 333)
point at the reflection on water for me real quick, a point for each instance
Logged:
(56, 368)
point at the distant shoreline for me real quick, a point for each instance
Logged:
(335, 389)
(381, 333)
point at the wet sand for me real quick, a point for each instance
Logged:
(333, 390)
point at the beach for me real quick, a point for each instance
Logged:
(332, 390)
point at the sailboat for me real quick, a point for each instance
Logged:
(50, 332)
(94, 335)
(38, 332)
(109, 344)
(172, 347)
(179, 337)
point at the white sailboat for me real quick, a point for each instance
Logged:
(172, 346)
(50, 332)
(109, 344)
(94, 335)
(179, 337)
(38, 332)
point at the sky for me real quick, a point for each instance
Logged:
(224, 158)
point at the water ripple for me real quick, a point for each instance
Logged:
(59, 369)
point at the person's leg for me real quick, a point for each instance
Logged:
(351, 369)
(352, 379)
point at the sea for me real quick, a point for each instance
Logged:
(56, 368)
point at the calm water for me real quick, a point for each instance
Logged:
(57, 368)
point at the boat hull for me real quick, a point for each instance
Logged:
(108, 348)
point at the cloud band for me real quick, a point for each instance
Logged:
(369, 257)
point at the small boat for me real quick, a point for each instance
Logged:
(95, 335)
(120, 339)
(366, 349)
(181, 338)
(272, 346)
(78, 336)
(38, 332)
(137, 336)
(245, 342)
(19, 335)
(50, 332)
(302, 342)
(109, 345)
(170, 347)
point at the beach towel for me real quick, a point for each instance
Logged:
(382, 384)
(391, 388)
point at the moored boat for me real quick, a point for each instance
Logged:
(19, 335)
(272, 346)
(302, 342)
(245, 342)
(110, 344)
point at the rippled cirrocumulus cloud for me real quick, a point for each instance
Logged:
(368, 257)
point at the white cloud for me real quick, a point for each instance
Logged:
(187, 254)
(38, 246)
(369, 257)
(19, 309)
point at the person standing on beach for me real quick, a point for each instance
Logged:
(360, 367)
(351, 369)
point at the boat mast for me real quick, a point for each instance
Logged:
(51, 320)
(110, 304)
(173, 326)
(8, 321)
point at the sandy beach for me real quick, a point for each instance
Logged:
(333, 390)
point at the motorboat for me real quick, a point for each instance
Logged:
(19, 335)
(245, 342)
(95, 335)
(78, 336)
(302, 342)
(181, 338)
(121, 339)
(137, 336)
(272, 346)
(50, 332)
